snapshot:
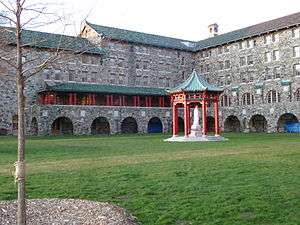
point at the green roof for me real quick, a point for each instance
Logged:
(194, 46)
(109, 89)
(51, 41)
(143, 38)
(251, 31)
(195, 83)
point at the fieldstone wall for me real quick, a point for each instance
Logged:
(82, 117)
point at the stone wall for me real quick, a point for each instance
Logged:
(257, 78)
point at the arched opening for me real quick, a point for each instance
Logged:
(155, 125)
(100, 125)
(210, 121)
(3, 131)
(180, 124)
(258, 123)
(286, 122)
(129, 126)
(232, 124)
(14, 122)
(34, 127)
(61, 126)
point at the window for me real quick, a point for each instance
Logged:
(268, 74)
(71, 77)
(242, 61)
(273, 96)
(268, 57)
(241, 46)
(207, 68)
(250, 43)
(226, 48)
(297, 69)
(275, 37)
(296, 51)
(268, 39)
(57, 74)
(85, 59)
(182, 61)
(296, 32)
(221, 65)
(297, 95)
(228, 80)
(220, 50)
(227, 64)
(250, 60)
(247, 99)
(276, 72)
(225, 101)
(275, 55)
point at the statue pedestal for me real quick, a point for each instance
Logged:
(195, 131)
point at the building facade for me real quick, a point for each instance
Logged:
(119, 85)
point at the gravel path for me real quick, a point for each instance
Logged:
(67, 212)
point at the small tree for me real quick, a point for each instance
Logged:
(35, 15)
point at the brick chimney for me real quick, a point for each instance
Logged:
(213, 30)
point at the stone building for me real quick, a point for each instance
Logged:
(111, 80)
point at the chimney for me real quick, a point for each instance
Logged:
(213, 30)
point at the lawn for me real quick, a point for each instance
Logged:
(250, 179)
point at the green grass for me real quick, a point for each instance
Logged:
(250, 179)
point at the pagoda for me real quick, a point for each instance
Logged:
(194, 93)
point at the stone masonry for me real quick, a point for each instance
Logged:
(253, 66)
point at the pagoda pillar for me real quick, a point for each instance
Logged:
(216, 114)
(175, 120)
(204, 122)
(186, 119)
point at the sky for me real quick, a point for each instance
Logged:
(186, 19)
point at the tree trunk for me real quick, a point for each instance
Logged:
(20, 165)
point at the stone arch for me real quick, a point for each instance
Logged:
(100, 125)
(155, 125)
(232, 124)
(14, 122)
(3, 131)
(34, 127)
(129, 126)
(210, 121)
(62, 125)
(285, 119)
(258, 123)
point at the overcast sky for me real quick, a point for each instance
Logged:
(186, 19)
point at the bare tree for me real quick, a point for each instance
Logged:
(21, 16)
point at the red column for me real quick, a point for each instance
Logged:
(124, 100)
(120, 100)
(107, 100)
(75, 98)
(162, 101)
(149, 101)
(175, 120)
(216, 112)
(138, 100)
(204, 125)
(93, 99)
(134, 101)
(188, 119)
(186, 126)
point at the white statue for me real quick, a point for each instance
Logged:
(196, 128)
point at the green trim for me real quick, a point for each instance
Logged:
(285, 82)
(108, 89)
(235, 88)
(258, 85)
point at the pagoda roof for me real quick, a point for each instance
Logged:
(195, 83)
